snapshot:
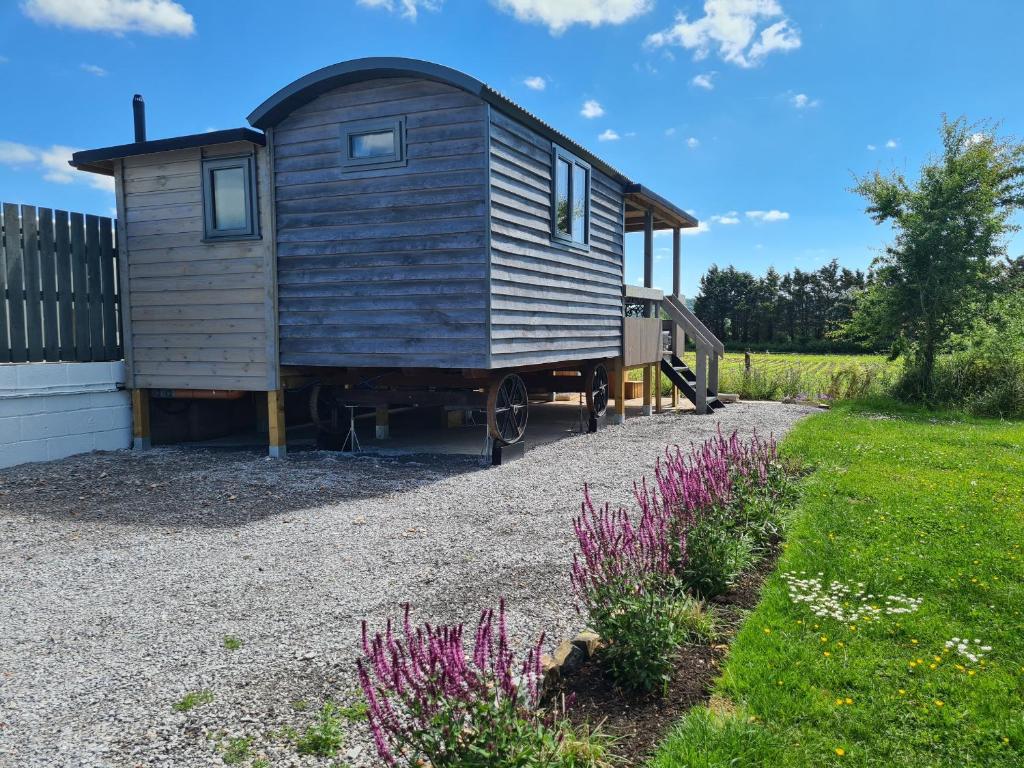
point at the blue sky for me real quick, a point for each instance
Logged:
(754, 114)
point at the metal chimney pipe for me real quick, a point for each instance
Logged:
(139, 113)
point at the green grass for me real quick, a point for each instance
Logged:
(192, 699)
(907, 502)
(814, 377)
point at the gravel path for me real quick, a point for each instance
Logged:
(121, 574)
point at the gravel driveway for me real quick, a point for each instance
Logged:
(122, 573)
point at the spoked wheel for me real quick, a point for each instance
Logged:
(325, 410)
(597, 389)
(507, 409)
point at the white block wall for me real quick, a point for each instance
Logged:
(52, 410)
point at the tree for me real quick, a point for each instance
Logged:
(950, 230)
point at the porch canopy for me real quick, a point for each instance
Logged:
(648, 212)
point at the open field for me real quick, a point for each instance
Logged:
(814, 377)
(905, 506)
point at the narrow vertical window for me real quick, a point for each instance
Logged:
(229, 198)
(563, 224)
(580, 188)
(570, 198)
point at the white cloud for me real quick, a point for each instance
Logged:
(769, 216)
(52, 163)
(559, 15)
(704, 80)
(872, 147)
(15, 155)
(891, 144)
(693, 142)
(731, 28)
(4, 59)
(608, 135)
(732, 217)
(535, 83)
(150, 17)
(407, 9)
(93, 69)
(700, 229)
(591, 109)
(670, 131)
(803, 101)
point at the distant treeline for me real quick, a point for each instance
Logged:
(791, 312)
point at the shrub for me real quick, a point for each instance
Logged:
(428, 703)
(718, 553)
(695, 530)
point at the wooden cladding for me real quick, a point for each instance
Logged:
(642, 340)
(60, 298)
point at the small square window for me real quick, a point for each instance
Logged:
(229, 198)
(375, 143)
(571, 195)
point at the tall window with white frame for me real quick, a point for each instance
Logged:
(571, 196)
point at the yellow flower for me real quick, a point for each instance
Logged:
(849, 700)
(970, 673)
(901, 692)
(933, 666)
(767, 631)
(824, 638)
(939, 703)
(826, 653)
(913, 642)
(839, 702)
(840, 751)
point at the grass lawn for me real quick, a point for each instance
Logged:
(907, 503)
(777, 376)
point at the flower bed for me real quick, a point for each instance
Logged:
(641, 580)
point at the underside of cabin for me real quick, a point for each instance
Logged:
(392, 234)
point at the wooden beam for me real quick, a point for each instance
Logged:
(657, 388)
(275, 420)
(677, 271)
(619, 415)
(648, 248)
(140, 420)
(647, 391)
(702, 381)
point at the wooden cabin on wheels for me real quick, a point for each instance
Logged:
(391, 232)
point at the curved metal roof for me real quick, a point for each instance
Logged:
(305, 89)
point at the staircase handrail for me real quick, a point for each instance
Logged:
(694, 328)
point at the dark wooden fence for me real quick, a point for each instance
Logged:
(59, 296)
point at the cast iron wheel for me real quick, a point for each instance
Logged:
(507, 409)
(325, 410)
(597, 389)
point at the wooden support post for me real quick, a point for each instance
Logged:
(648, 248)
(647, 390)
(619, 415)
(383, 424)
(713, 374)
(657, 388)
(275, 420)
(140, 420)
(677, 264)
(702, 381)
